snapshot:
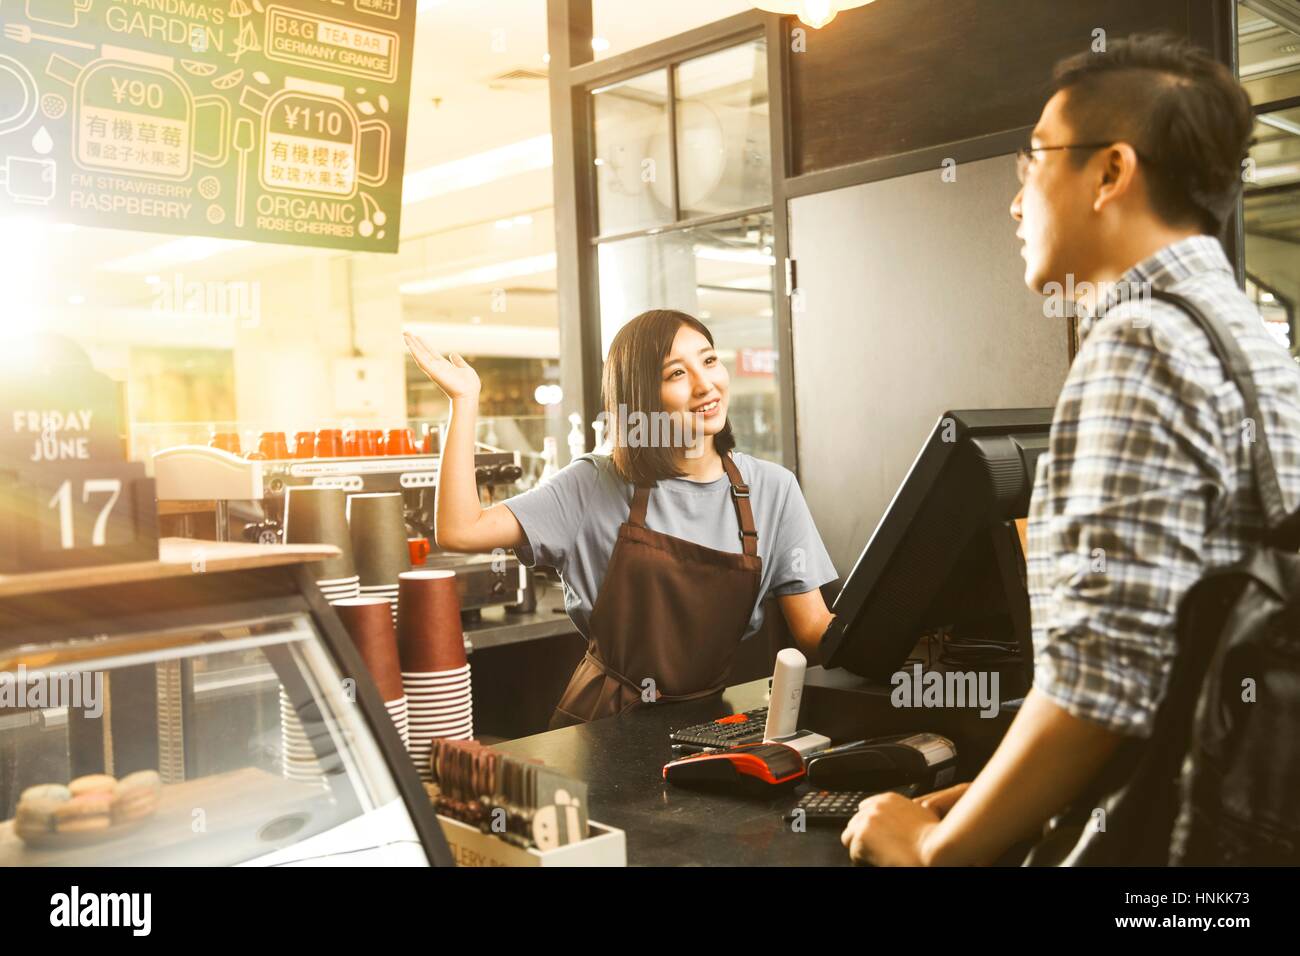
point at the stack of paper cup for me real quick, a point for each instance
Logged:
(377, 524)
(369, 624)
(297, 757)
(435, 671)
(314, 515)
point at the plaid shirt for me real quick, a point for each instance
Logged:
(1147, 483)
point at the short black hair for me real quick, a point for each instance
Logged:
(1179, 108)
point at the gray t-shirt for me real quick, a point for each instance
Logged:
(572, 522)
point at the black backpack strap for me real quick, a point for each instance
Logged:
(1283, 528)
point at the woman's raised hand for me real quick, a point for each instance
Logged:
(452, 374)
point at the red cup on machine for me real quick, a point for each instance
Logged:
(273, 445)
(329, 443)
(419, 550)
(226, 441)
(367, 446)
(304, 445)
(399, 442)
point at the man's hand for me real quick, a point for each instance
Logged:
(888, 830)
(941, 801)
(1044, 761)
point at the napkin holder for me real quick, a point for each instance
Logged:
(470, 846)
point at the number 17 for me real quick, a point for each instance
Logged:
(63, 501)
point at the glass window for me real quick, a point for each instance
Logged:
(1268, 53)
(634, 177)
(1272, 216)
(722, 274)
(619, 26)
(724, 153)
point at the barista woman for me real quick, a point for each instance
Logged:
(668, 545)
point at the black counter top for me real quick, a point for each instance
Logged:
(498, 627)
(622, 759)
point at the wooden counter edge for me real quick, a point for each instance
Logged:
(176, 557)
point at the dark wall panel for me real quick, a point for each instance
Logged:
(900, 75)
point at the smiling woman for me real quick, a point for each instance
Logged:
(667, 546)
(663, 371)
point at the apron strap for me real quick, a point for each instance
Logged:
(739, 498)
(744, 514)
(640, 502)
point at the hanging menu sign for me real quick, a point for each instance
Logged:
(275, 121)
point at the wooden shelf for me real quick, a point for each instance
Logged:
(176, 557)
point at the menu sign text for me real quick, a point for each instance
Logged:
(244, 119)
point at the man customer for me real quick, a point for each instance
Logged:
(1134, 166)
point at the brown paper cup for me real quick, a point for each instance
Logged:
(429, 635)
(370, 625)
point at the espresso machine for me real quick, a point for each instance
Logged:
(198, 473)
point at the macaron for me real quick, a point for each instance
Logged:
(36, 814)
(89, 811)
(137, 795)
(84, 824)
(140, 782)
(92, 783)
(45, 791)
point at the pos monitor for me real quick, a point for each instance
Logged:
(946, 555)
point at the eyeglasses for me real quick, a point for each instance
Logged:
(1026, 153)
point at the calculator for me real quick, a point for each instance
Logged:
(838, 806)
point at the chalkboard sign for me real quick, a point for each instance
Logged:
(68, 497)
(278, 121)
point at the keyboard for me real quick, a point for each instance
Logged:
(731, 731)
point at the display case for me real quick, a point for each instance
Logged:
(224, 700)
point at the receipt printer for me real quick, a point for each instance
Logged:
(925, 759)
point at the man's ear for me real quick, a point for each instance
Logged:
(1118, 172)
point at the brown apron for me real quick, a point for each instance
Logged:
(669, 610)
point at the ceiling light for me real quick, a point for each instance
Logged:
(189, 249)
(814, 13)
(599, 44)
(1280, 122)
(548, 394)
(483, 275)
(524, 156)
